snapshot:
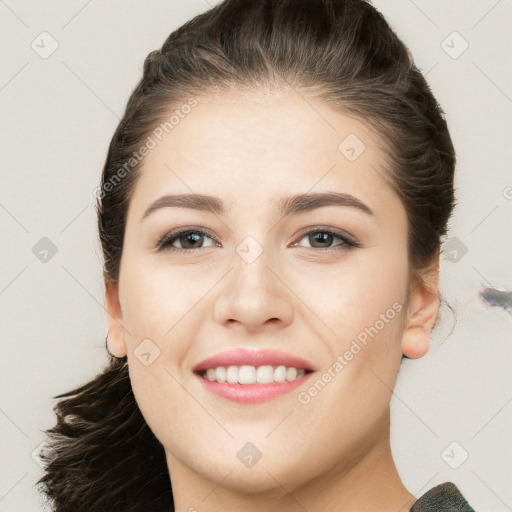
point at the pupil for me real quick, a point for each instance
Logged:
(193, 235)
(322, 235)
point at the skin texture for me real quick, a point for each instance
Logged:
(333, 453)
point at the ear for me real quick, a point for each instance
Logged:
(116, 341)
(422, 312)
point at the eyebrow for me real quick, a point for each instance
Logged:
(287, 206)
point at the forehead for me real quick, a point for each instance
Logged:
(266, 147)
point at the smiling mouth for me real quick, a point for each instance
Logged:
(252, 385)
(246, 375)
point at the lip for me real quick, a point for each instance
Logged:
(252, 393)
(241, 357)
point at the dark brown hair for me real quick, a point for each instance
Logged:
(340, 51)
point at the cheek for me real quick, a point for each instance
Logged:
(159, 322)
(160, 304)
(355, 292)
(160, 382)
(156, 297)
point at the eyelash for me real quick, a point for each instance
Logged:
(165, 242)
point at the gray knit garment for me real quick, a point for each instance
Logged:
(444, 497)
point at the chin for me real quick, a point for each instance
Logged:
(262, 480)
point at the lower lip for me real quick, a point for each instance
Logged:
(252, 393)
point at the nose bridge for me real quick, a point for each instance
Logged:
(252, 293)
(251, 277)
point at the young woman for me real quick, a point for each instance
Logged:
(271, 212)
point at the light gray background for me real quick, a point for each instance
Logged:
(57, 117)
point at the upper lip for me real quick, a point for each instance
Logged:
(241, 357)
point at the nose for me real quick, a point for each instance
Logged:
(253, 295)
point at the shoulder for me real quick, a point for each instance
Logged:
(443, 497)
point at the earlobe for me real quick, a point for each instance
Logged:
(116, 341)
(415, 342)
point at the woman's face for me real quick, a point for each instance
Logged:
(270, 273)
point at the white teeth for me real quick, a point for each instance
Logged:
(280, 374)
(265, 375)
(247, 374)
(291, 374)
(220, 374)
(232, 375)
(210, 374)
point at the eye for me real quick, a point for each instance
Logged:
(190, 237)
(324, 237)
